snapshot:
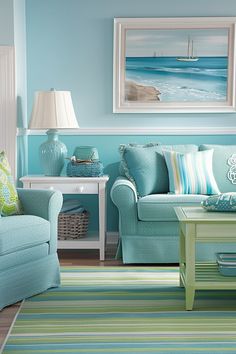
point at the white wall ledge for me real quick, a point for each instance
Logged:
(139, 131)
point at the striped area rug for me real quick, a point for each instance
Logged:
(123, 310)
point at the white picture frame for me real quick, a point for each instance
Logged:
(155, 69)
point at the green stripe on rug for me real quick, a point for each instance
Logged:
(124, 310)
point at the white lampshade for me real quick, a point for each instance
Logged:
(53, 110)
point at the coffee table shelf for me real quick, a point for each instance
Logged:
(208, 277)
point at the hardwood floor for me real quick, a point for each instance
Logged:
(67, 258)
(7, 315)
(84, 258)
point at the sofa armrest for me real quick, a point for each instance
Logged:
(126, 184)
(124, 196)
(46, 204)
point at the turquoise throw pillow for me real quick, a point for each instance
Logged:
(191, 173)
(221, 202)
(145, 166)
(139, 164)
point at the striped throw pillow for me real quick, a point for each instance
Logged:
(191, 173)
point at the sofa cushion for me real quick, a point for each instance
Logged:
(144, 165)
(22, 231)
(224, 166)
(191, 173)
(160, 207)
(9, 201)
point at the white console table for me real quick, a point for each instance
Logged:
(77, 185)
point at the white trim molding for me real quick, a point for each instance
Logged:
(139, 131)
(8, 105)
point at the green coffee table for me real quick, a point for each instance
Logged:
(198, 225)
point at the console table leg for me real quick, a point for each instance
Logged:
(102, 254)
(102, 219)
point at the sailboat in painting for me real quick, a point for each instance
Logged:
(190, 57)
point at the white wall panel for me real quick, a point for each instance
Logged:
(8, 105)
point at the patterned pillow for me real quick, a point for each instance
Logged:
(191, 173)
(9, 201)
(223, 164)
(221, 202)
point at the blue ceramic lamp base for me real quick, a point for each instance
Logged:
(52, 154)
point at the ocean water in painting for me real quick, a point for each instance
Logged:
(181, 81)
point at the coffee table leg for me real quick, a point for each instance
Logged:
(181, 257)
(189, 297)
(190, 265)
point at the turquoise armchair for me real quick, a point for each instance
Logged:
(28, 247)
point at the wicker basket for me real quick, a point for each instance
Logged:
(72, 226)
(93, 169)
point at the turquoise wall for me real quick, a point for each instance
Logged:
(70, 47)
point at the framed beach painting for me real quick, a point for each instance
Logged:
(174, 65)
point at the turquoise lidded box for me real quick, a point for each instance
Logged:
(85, 163)
(86, 153)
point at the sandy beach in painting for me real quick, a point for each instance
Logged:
(141, 93)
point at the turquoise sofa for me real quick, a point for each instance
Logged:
(148, 227)
(28, 247)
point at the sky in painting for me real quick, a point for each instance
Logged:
(207, 42)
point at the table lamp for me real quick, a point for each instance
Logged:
(53, 110)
